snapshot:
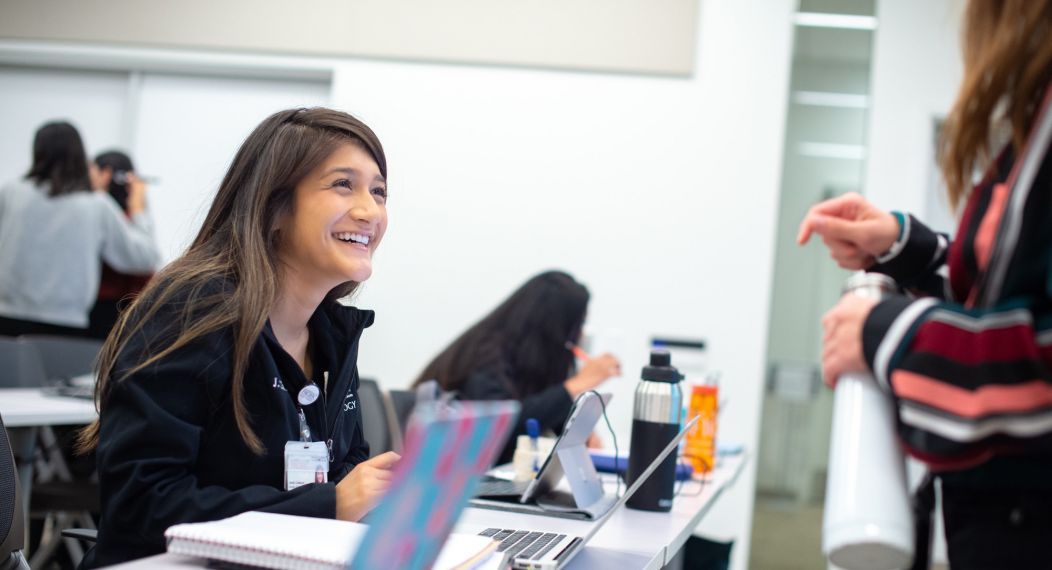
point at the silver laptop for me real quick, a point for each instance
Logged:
(541, 550)
(569, 459)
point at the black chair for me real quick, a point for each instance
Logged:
(12, 513)
(21, 365)
(378, 421)
(402, 401)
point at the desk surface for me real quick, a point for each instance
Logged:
(24, 407)
(653, 536)
(630, 539)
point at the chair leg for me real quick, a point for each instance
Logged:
(15, 561)
(44, 551)
(51, 537)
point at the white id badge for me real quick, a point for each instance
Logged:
(305, 462)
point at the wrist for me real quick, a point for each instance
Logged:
(346, 506)
(898, 236)
(574, 386)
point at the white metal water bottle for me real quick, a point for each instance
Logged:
(868, 523)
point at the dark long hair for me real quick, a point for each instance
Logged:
(117, 162)
(237, 247)
(527, 333)
(59, 160)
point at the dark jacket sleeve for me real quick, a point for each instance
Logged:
(966, 382)
(152, 429)
(917, 260)
(549, 407)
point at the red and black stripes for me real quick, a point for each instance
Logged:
(972, 375)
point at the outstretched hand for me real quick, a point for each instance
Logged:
(855, 231)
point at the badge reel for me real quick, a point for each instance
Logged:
(308, 394)
(306, 461)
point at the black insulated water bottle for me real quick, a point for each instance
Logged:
(655, 422)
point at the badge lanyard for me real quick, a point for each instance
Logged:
(306, 461)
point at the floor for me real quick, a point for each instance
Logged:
(787, 535)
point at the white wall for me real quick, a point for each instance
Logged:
(94, 102)
(188, 129)
(660, 194)
(915, 74)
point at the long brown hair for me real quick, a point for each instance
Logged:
(1007, 67)
(236, 247)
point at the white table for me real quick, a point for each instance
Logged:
(654, 537)
(630, 539)
(32, 407)
(27, 411)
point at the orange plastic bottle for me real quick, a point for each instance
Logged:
(700, 448)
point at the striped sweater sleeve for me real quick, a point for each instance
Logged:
(917, 259)
(967, 382)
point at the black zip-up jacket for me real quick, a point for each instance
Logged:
(170, 452)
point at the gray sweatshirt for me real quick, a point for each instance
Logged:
(51, 251)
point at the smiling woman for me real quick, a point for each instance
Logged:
(218, 363)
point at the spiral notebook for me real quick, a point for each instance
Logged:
(268, 540)
(446, 451)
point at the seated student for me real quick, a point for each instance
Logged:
(200, 382)
(114, 172)
(519, 351)
(53, 229)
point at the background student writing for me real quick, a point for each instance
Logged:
(519, 351)
(198, 382)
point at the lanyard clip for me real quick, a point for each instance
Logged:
(304, 428)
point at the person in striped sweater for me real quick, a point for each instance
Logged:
(966, 352)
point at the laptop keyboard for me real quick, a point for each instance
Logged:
(523, 544)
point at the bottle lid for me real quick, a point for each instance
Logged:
(660, 368)
(533, 428)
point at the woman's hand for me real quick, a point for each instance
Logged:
(357, 494)
(842, 337)
(136, 194)
(855, 231)
(593, 372)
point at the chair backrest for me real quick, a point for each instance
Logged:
(63, 356)
(20, 365)
(12, 515)
(402, 401)
(375, 426)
